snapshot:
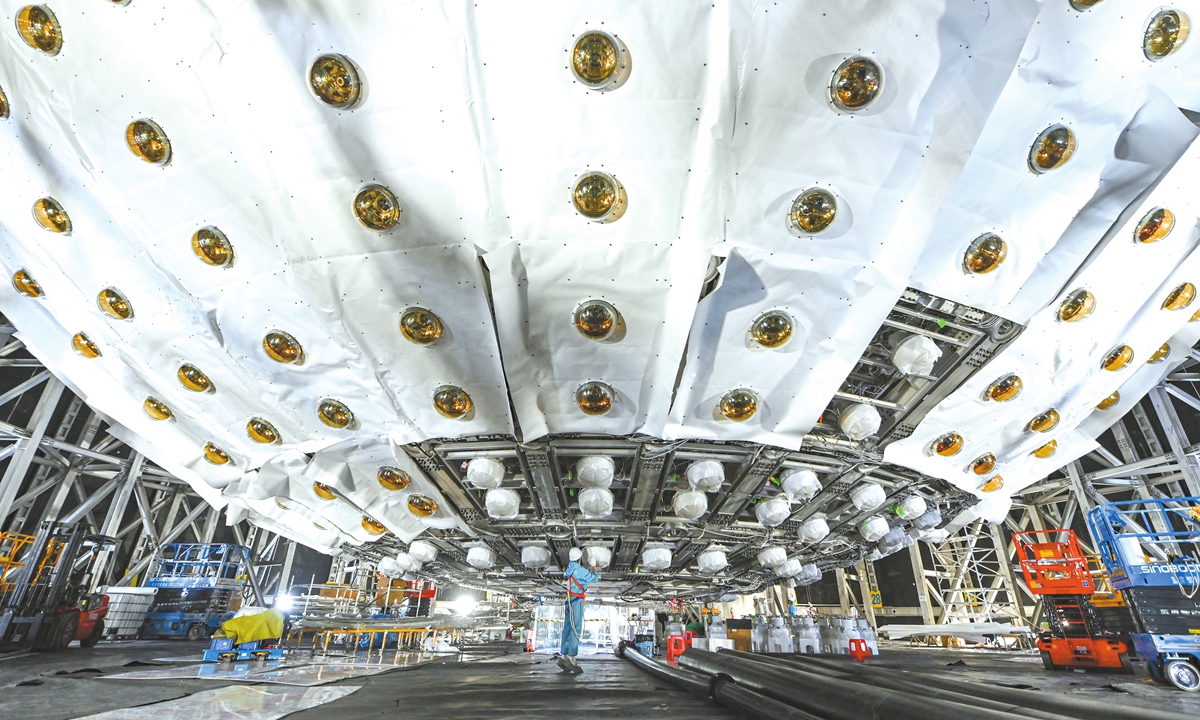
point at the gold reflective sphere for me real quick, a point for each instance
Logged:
(323, 491)
(215, 455)
(261, 431)
(772, 329)
(40, 29)
(595, 59)
(813, 211)
(1044, 422)
(334, 80)
(947, 445)
(392, 478)
(335, 414)
(1004, 389)
(212, 247)
(599, 196)
(156, 409)
(1109, 401)
(147, 140)
(1195, 316)
(739, 405)
(983, 464)
(373, 526)
(1180, 297)
(376, 207)
(84, 346)
(984, 254)
(114, 304)
(283, 348)
(1052, 149)
(1077, 306)
(1165, 34)
(193, 379)
(1046, 450)
(451, 402)
(594, 398)
(596, 319)
(992, 484)
(1155, 226)
(50, 215)
(1117, 358)
(855, 84)
(1160, 354)
(1082, 5)
(3, 105)
(422, 506)
(420, 326)
(25, 284)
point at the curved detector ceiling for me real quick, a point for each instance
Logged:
(316, 261)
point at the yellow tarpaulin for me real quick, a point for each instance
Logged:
(266, 625)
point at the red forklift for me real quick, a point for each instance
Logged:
(47, 604)
(1056, 569)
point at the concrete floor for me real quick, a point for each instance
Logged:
(501, 682)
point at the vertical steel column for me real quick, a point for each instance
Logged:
(116, 512)
(918, 566)
(285, 573)
(1176, 438)
(26, 448)
(843, 592)
(866, 588)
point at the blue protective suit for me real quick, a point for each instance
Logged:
(578, 579)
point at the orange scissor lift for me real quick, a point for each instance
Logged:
(1058, 571)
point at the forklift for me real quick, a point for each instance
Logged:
(47, 605)
(1056, 569)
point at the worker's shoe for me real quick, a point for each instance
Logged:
(564, 663)
(575, 668)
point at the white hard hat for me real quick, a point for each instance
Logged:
(575, 554)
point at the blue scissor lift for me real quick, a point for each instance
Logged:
(1151, 549)
(195, 582)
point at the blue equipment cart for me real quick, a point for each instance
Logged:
(1151, 550)
(196, 583)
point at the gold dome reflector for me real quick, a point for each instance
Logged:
(212, 247)
(1082, 5)
(335, 414)
(283, 348)
(596, 319)
(855, 84)
(156, 409)
(451, 402)
(1155, 226)
(377, 208)
(739, 405)
(947, 445)
(192, 378)
(1180, 297)
(599, 197)
(1004, 389)
(25, 284)
(600, 61)
(261, 431)
(334, 80)
(984, 254)
(148, 141)
(983, 464)
(772, 329)
(373, 526)
(1109, 401)
(1046, 450)
(84, 346)
(421, 505)
(1165, 34)
(1117, 358)
(392, 478)
(1052, 149)
(1045, 422)
(50, 215)
(215, 455)
(113, 304)
(40, 29)
(1195, 316)
(323, 491)
(1160, 354)
(594, 398)
(3, 105)
(1077, 306)
(420, 326)
(992, 484)
(813, 211)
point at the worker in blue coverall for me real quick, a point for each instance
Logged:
(578, 579)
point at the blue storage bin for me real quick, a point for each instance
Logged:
(221, 644)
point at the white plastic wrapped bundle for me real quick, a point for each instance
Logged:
(706, 475)
(867, 497)
(800, 485)
(773, 512)
(485, 473)
(891, 541)
(656, 558)
(407, 563)
(595, 503)
(535, 557)
(502, 503)
(809, 574)
(860, 421)
(935, 537)
(712, 560)
(389, 568)
(772, 557)
(790, 568)
(481, 557)
(928, 520)
(814, 529)
(873, 528)
(916, 355)
(690, 504)
(597, 556)
(910, 507)
(422, 551)
(595, 471)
